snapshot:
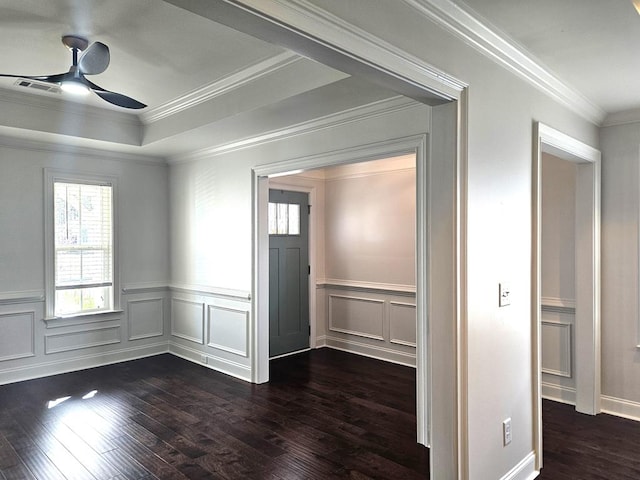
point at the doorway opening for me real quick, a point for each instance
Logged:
(363, 260)
(414, 145)
(573, 348)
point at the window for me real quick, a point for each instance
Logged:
(80, 245)
(284, 219)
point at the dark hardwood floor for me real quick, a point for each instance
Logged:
(585, 447)
(325, 414)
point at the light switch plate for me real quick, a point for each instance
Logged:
(504, 294)
(506, 432)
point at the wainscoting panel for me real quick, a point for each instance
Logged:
(17, 337)
(402, 323)
(146, 318)
(229, 329)
(221, 340)
(359, 316)
(556, 348)
(187, 320)
(370, 319)
(86, 338)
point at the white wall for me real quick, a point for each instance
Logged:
(370, 220)
(620, 322)
(28, 346)
(558, 222)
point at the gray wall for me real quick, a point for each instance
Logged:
(620, 321)
(29, 347)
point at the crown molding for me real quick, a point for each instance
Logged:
(363, 112)
(40, 146)
(625, 117)
(220, 87)
(473, 30)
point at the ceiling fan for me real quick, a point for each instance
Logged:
(92, 61)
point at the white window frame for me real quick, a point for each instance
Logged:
(51, 176)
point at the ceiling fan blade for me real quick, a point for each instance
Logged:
(119, 99)
(94, 59)
(113, 97)
(57, 78)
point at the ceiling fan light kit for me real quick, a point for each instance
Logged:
(94, 59)
(74, 87)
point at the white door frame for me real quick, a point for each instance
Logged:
(417, 145)
(587, 319)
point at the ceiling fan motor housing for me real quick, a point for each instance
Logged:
(73, 41)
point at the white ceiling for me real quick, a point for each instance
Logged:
(200, 79)
(204, 82)
(590, 44)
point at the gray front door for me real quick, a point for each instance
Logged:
(288, 272)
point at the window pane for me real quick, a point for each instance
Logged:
(283, 218)
(83, 236)
(294, 219)
(83, 299)
(273, 219)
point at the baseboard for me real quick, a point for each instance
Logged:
(611, 405)
(525, 470)
(372, 351)
(558, 393)
(228, 367)
(56, 367)
(620, 407)
(321, 341)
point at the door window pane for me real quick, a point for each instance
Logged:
(294, 219)
(284, 219)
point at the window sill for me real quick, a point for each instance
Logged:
(88, 317)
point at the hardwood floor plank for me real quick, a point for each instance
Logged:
(18, 472)
(98, 466)
(64, 461)
(128, 467)
(8, 456)
(153, 463)
(171, 437)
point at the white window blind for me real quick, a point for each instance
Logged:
(83, 247)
